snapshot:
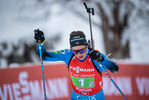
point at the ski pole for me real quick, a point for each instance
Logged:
(89, 11)
(43, 78)
(100, 65)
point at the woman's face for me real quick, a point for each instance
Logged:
(80, 51)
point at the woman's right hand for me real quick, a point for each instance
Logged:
(39, 36)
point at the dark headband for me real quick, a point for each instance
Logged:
(77, 40)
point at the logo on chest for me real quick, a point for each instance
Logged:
(78, 69)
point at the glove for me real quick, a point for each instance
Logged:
(39, 35)
(95, 55)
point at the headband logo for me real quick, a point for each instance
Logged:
(76, 42)
(75, 37)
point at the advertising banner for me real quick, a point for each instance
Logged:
(25, 83)
(132, 79)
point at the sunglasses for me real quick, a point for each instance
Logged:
(80, 51)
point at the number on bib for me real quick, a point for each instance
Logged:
(83, 82)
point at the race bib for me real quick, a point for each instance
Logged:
(83, 82)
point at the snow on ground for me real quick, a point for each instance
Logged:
(13, 29)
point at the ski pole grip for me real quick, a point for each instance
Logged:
(93, 11)
(85, 5)
(87, 9)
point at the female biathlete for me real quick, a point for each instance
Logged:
(81, 61)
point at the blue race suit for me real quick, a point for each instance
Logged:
(66, 55)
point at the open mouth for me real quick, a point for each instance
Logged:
(81, 57)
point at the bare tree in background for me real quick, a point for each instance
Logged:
(113, 32)
(112, 23)
(114, 18)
